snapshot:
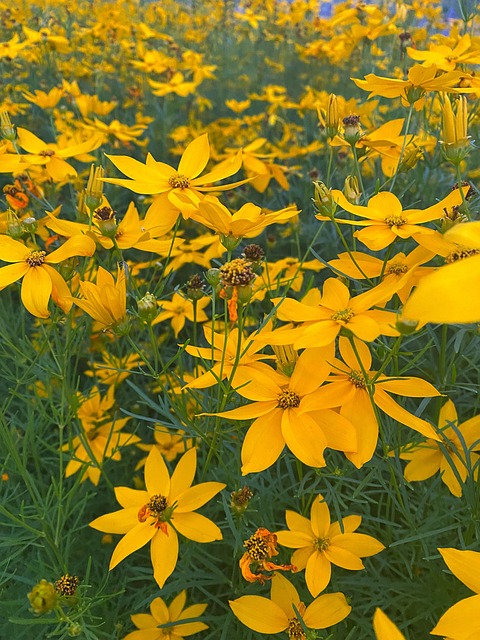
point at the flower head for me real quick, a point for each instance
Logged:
(259, 549)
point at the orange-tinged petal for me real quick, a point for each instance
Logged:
(12, 250)
(304, 438)
(358, 544)
(120, 521)
(36, 290)
(317, 573)
(284, 594)
(460, 622)
(364, 328)
(320, 517)
(343, 558)
(184, 474)
(263, 443)
(164, 554)
(195, 497)
(12, 273)
(78, 245)
(195, 157)
(465, 565)
(326, 611)
(133, 540)
(350, 357)
(329, 395)
(157, 478)
(196, 527)
(131, 497)
(259, 614)
(384, 628)
(320, 334)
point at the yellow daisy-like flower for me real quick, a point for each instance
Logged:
(278, 614)
(40, 279)
(180, 309)
(167, 507)
(167, 622)
(319, 544)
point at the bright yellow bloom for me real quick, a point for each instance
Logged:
(105, 301)
(412, 91)
(319, 544)
(153, 627)
(450, 294)
(458, 440)
(462, 620)
(282, 420)
(177, 84)
(156, 515)
(170, 444)
(183, 186)
(277, 614)
(40, 280)
(348, 388)
(180, 309)
(386, 220)
(446, 58)
(45, 100)
(384, 628)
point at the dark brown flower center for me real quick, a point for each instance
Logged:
(397, 268)
(237, 272)
(288, 400)
(358, 379)
(294, 630)
(257, 548)
(179, 181)
(35, 258)
(395, 221)
(460, 254)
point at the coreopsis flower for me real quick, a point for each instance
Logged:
(260, 547)
(170, 444)
(280, 417)
(319, 544)
(45, 100)
(40, 279)
(278, 614)
(386, 220)
(222, 354)
(462, 620)
(113, 370)
(458, 440)
(450, 293)
(446, 58)
(384, 628)
(105, 301)
(166, 508)
(182, 187)
(179, 309)
(412, 91)
(168, 622)
(351, 387)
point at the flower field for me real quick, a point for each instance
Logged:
(239, 276)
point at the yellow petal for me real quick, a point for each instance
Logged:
(164, 554)
(311, 369)
(317, 573)
(394, 410)
(412, 387)
(326, 611)
(320, 517)
(465, 565)
(359, 411)
(284, 594)
(294, 539)
(157, 478)
(184, 474)
(36, 289)
(296, 522)
(259, 614)
(196, 527)
(160, 611)
(12, 273)
(12, 250)
(117, 522)
(175, 608)
(263, 443)
(131, 497)
(460, 622)
(384, 628)
(195, 497)
(304, 438)
(134, 539)
(358, 544)
(144, 621)
(78, 245)
(29, 141)
(195, 157)
(343, 558)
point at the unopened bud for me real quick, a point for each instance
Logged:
(14, 225)
(323, 199)
(406, 326)
(409, 159)
(240, 499)
(195, 287)
(332, 120)
(30, 224)
(43, 597)
(351, 189)
(147, 307)
(213, 277)
(94, 190)
(104, 219)
(6, 127)
(352, 129)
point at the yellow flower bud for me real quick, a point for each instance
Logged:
(43, 597)
(351, 189)
(6, 127)
(94, 190)
(456, 142)
(332, 119)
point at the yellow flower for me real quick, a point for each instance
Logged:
(386, 220)
(167, 622)
(278, 614)
(180, 309)
(412, 91)
(183, 186)
(348, 388)
(45, 100)
(282, 420)
(429, 457)
(462, 620)
(170, 444)
(40, 280)
(319, 544)
(384, 628)
(156, 515)
(106, 301)
(446, 58)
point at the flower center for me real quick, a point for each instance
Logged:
(104, 213)
(288, 400)
(460, 254)
(343, 316)
(294, 630)
(257, 548)
(47, 153)
(395, 221)
(320, 544)
(157, 508)
(179, 181)
(397, 268)
(237, 272)
(358, 379)
(35, 258)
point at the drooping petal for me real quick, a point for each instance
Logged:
(326, 611)
(304, 438)
(157, 478)
(465, 565)
(12, 273)
(78, 245)
(460, 622)
(195, 497)
(359, 411)
(263, 443)
(317, 573)
(36, 290)
(133, 540)
(393, 409)
(164, 554)
(259, 614)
